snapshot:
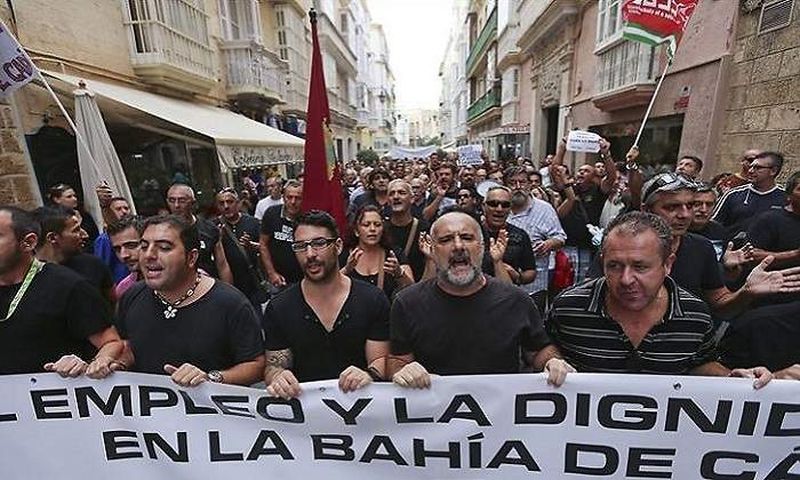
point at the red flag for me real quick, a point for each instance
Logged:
(654, 22)
(322, 180)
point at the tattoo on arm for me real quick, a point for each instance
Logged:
(277, 361)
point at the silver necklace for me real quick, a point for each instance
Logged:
(171, 309)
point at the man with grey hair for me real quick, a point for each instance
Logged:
(640, 320)
(462, 322)
(212, 259)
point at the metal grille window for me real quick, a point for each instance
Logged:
(627, 63)
(775, 14)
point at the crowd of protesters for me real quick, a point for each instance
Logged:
(444, 269)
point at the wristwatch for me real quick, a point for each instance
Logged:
(215, 376)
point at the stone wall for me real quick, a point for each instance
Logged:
(17, 180)
(763, 109)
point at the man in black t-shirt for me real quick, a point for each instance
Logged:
(777, 232)
(49, 312)
(276, 237)
(240, 233)
(404, 229)
(60, 242)
(211, 255)
(517, 265)
(462, 322)
(188, 325)
(328, 325)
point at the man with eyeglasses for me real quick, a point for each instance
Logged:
(212, 260)
(635, 318)
(539, 220)
(463, 322)
(739, 178)
(515, 263)
(468, 201)
(328, 325)
(695, 268)
(738, 207)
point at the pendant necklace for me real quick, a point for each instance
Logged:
(172, 308)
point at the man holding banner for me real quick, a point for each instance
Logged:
(463, 322)
(640, 320)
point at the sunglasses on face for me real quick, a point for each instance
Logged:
(498, 203)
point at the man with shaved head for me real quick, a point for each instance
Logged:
(462, 322)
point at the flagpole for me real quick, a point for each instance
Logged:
(652, 102)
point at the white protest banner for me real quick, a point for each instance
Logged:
(16, 69)
(580, 141)
(135, 426)
(470, 155)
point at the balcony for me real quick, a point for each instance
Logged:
(332, 41)
(488, 34)
(484, 104)
(625, 77)
(342, 106)
(255, 75)
(169, 44)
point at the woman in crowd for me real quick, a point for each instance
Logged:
(370, 258)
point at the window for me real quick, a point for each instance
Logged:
(281, 18)
(775, 15)
(284, 54)
(627, 63)
(609, 20)
(239, 19)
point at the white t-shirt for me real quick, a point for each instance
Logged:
(264, 204)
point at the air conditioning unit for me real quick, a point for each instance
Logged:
(775, 15)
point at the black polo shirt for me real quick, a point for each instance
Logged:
(290, 322)
(765, 336)
(592, 341)
(209, 237)
(519, 252)
(483, 333)
(280, 231)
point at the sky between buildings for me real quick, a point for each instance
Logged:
(416, 31)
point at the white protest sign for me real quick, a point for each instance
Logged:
(580, 141)
(134, 426)
(470, 155)
(16, 69)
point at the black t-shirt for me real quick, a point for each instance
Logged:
(289, 322)
(593, 199)
(95, 271)
(715, 233)
(58, 313)
(216, 332)
(483, 333)
(519, 252)
(696, 268)
(399, 237)
(574, 225)
(775, 231)
(243, 276)
(280, 231)
(88, 224)
(368, 198)
(209, 236)
(389, 282)
(766, 336)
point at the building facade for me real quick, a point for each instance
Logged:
(563, 64)
(454, 97)
(763, 101)
(167, 74)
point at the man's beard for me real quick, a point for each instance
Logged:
(519, 198)
(460, 280)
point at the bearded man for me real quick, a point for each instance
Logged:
(463, 322)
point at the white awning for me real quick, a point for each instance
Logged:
(225, 128)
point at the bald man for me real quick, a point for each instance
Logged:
(462, 322)
(212, 260)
